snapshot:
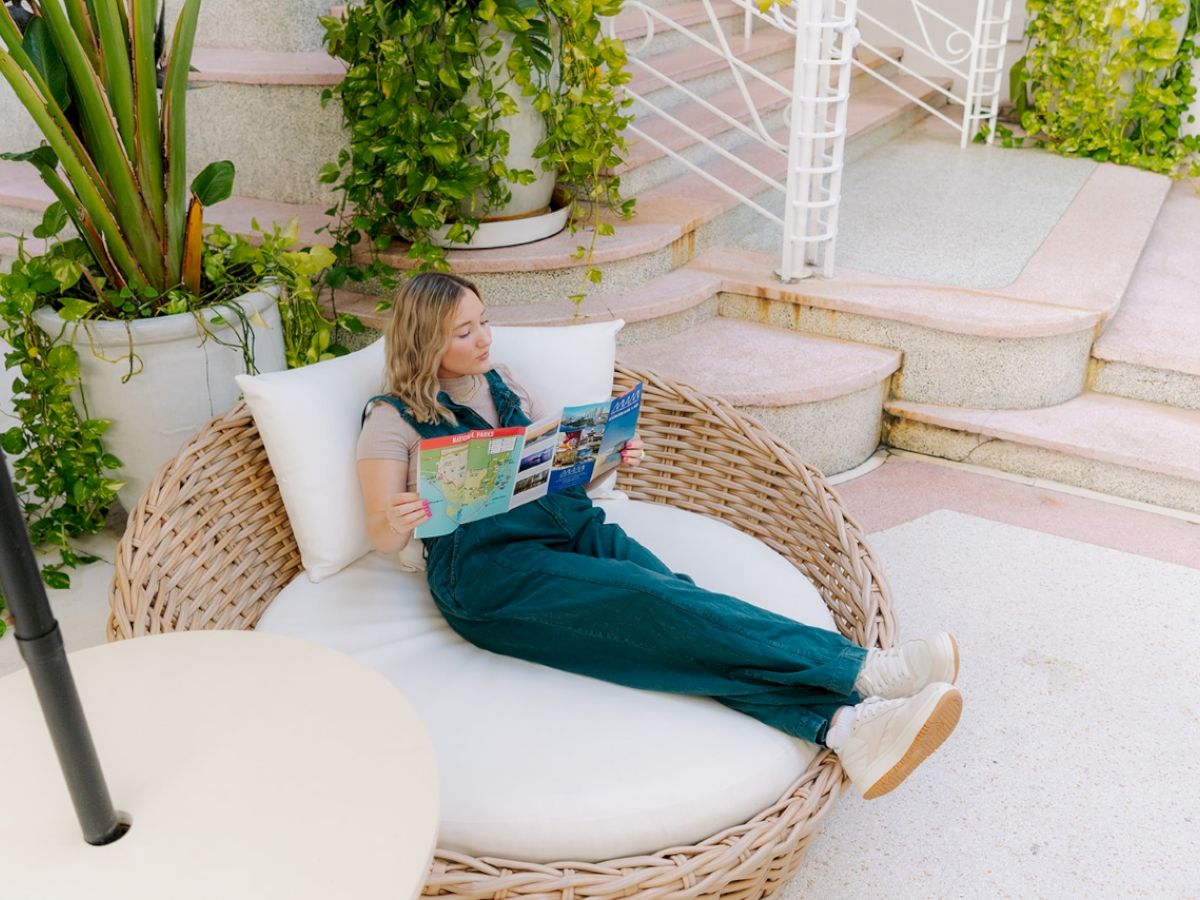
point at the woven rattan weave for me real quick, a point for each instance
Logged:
(209, 546)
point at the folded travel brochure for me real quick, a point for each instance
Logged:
(482, 473)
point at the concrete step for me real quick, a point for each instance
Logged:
(23, 199)
(1023, 346)
(667, 305)
(1130, 448)
(659, 308)
(283, 25)
(647, 164)
(1150, 351)
(823, 396)
(704, 72)
(633, 25)
(674, 222)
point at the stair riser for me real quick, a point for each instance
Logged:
(647, 330)
(1037, 462)
(667, 39)
(1178, 389)
(19, 132)
(940, 367)
(290, 25)
(18, 220)
(278, 136)
(832, 435)
(667, 168)
(909, 116)
(666, 97)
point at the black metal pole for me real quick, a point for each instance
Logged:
(41, 645)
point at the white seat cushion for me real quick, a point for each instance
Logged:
(542, 765)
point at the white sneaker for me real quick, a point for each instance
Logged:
(890, 738)
(903, 671)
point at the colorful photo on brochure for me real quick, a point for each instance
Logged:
(467, 477)
(537, 457)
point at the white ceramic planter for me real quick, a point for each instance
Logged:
(183, 379)
(527, 216)
(508, 233)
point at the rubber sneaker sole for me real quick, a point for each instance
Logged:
(933, 734)
(954, 647)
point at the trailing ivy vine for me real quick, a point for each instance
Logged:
(1104, 80)
(63, 476)
(423, 102)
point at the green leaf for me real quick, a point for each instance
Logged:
(54, 220)
(39, 156)
(12, 441)
(74, 309)
(56, 579)
(214, 183)
(38, 45)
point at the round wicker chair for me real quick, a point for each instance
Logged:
(209, 546)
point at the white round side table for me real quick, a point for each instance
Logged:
(250, 765)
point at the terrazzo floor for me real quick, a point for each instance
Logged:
(1074, 772)
(918, 207)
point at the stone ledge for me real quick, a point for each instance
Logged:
(757, 365)
(1132, 434)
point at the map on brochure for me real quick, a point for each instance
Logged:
(482, 473)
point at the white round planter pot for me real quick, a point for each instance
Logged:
(184, 376)
(527, 216)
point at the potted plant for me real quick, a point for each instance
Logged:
(441, 98)
(99, 390)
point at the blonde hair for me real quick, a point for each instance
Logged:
(416, 339)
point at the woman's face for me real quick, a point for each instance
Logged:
(470, 338)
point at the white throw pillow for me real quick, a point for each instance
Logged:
(309, 420)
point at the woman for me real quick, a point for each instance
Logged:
(552, 583)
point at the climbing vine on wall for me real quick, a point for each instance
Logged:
(1110, 80)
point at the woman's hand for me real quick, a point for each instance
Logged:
(633, 453)
(405, 512)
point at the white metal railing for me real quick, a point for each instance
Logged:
(814, 112)
(973, 56)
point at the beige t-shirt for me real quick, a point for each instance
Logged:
(385, 434)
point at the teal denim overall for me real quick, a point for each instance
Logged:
(552, 583)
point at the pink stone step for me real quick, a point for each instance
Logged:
(21, 187)
(672, 293)
(672, 211)
(873, 108)
(732, 102)
(265, 67)
(9, 245)
(631, 23)
(1087, 261)
(951, 309)
(667, 214)
(675, 292)
(236, 213)
(695, 62)
(1158, 324)
(1131, 433)
(757, 365)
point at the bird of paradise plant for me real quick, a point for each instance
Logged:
(115, 156)
(108, 95)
